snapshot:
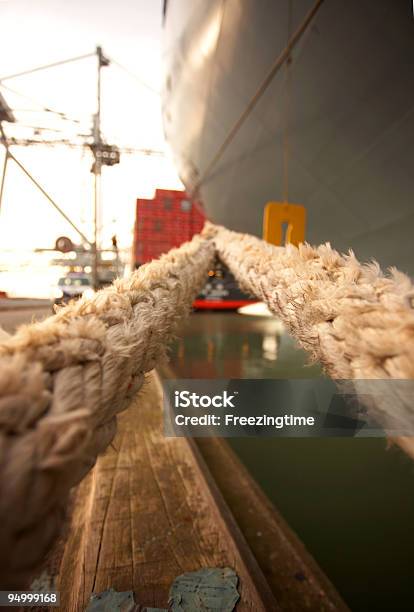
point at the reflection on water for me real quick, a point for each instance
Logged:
(350, 501)
(270, 344)
(228, 345)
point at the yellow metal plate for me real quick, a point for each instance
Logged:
(284, 223)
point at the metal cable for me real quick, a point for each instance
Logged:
(134, 76)
(286, 110)
(42, 108)
(278, 63)
(46, 66)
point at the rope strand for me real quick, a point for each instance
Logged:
(62, 383)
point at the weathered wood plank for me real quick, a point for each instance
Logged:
(148, 512)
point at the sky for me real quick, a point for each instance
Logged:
(38, 32)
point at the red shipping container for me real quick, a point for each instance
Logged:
(164, 222)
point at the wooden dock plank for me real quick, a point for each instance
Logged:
(148, 512)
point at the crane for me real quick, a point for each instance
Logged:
(104, 154)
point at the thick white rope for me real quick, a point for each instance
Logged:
(62, 383)
(357, 322)
(354, 320)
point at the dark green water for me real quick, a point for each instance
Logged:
(350, 501)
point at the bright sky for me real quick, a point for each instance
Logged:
(37, 32)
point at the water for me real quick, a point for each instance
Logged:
(350, 500)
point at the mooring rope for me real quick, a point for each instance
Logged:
(357, 322)
(62, 383)
(63, 380)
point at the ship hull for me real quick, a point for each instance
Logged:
(334, 132)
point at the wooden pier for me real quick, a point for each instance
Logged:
(156, 507)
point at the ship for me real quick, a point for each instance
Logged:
(332, 131)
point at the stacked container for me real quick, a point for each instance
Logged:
(164, 222)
